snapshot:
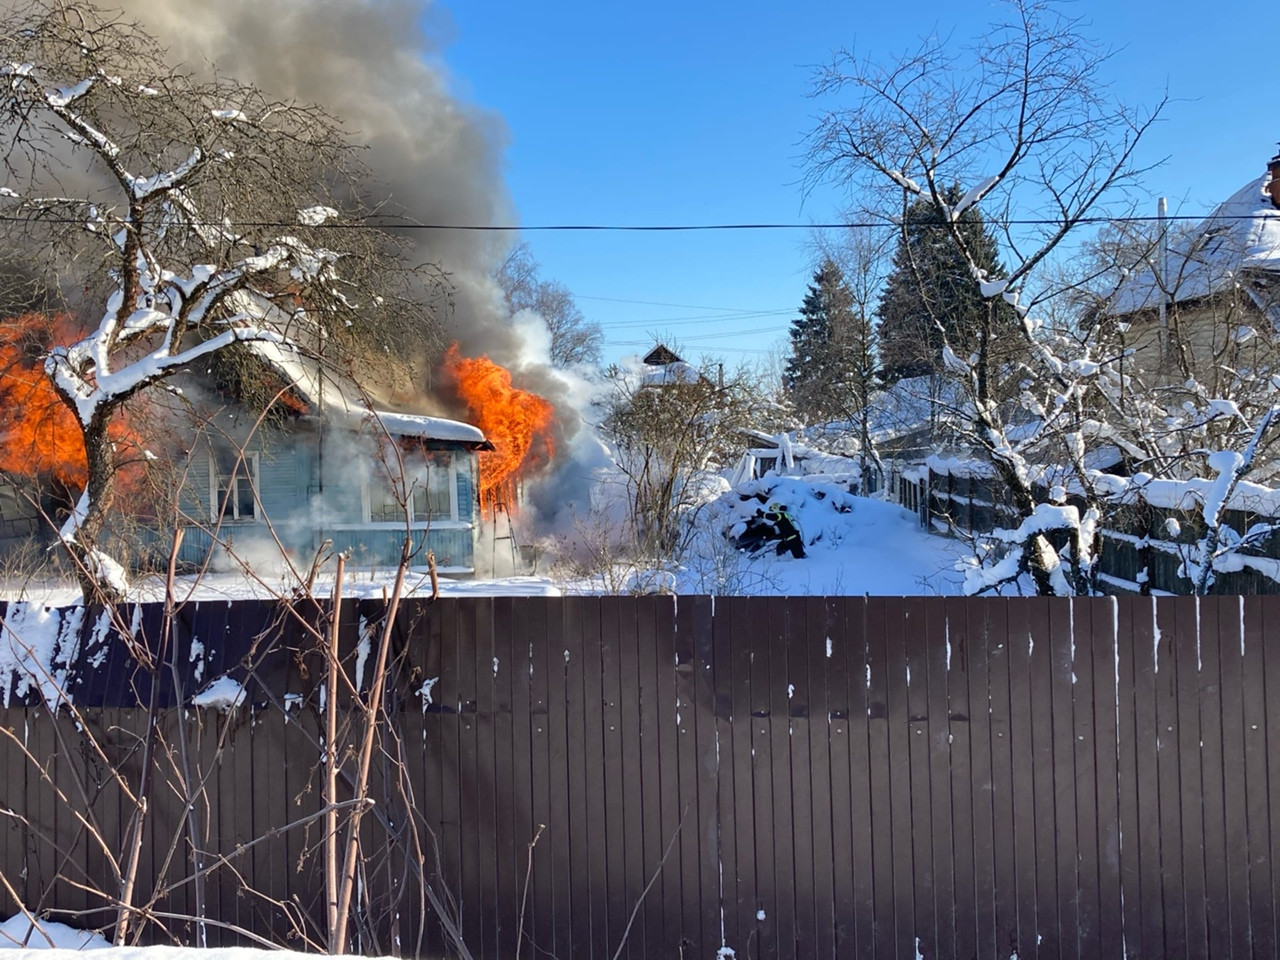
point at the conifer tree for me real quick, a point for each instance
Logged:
(823, 339)
(931, 297)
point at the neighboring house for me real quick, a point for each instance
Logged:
(1213, 294)
(338, 471)
(662, 368)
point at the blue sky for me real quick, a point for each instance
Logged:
(694, 112)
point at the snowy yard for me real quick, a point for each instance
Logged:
(855, 546)
(58, 940)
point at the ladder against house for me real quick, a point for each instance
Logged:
(499, 521)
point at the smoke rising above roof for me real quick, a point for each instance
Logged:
(374, 64)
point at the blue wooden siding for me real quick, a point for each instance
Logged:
(454, 548)
(466, 466)
(309, 491)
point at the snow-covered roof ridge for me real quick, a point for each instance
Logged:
(336, 397)
(1242, 233)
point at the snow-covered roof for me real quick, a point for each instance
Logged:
(427, 428)
(1242, 234)
(910, 405)
(336, 398)
(670, 373)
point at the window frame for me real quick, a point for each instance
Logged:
(249, 461)
(367, 499)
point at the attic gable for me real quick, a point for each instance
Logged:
(661, 356)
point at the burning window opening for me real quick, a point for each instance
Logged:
(518, 424)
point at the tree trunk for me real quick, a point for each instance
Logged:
(82, 540)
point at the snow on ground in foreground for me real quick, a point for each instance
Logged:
(854, 545)
(68, 942)
(358, 584)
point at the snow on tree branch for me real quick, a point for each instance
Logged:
(187, 182)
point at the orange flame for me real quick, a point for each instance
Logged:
(517, 422)
(39, 435)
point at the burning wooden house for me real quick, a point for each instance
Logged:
(329, 467)
(336, 471)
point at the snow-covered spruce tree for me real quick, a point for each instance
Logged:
(1023, 119)
(817, 371)
(861, 256)
(929, 296)
(181, 218)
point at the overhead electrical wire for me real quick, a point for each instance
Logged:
(652, 228)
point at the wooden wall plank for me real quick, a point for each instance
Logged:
(675, 819)
(803, 819)
(638, 869)
(471, 798)
(728, 812)
(564, 771)
(956, 773)
(784, 908)
(983, 800)
(823, 741)
(1262, 839)
(849, 676)
(1021, 663)
(614, 844)
(746, 627)
(1087, 763)
(1063, 685)
(701, 612)
(530, 748)
(583, 824)
(879, 723)
(688, 762)
(916, 643)
(902, 777)
(1235, 770)
(1213, 779)
(938, 662)
(1128, 822)
(509, 669)
(1190, 667)
(448, 692)
(647, 766)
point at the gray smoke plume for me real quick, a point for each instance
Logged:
(368, 62)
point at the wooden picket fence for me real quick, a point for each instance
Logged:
(791, 777)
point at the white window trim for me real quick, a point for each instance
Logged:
(250, 459)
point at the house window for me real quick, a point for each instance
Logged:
(429, 495)
(233, 483)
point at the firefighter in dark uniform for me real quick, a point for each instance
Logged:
(788, 531)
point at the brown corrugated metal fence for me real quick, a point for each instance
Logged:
(836, 777)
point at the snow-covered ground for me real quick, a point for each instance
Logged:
(56, 940)
(855, 546)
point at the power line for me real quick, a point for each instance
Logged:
(660, 303)
(693, 227)
(747, 315)
(704, 336)
(650, 228)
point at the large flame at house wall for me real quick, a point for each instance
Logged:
(39, 436)
(518, 424)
